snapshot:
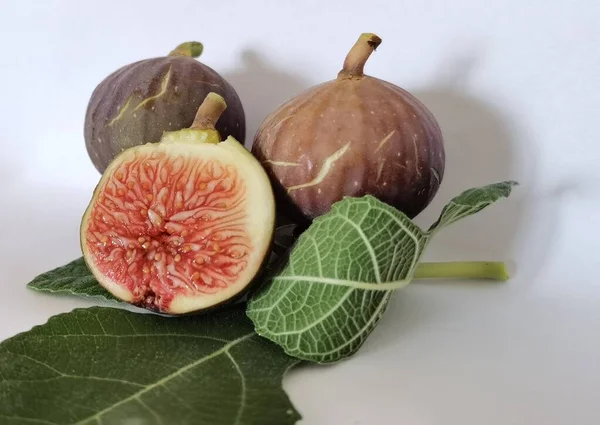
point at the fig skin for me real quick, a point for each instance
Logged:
(138, 102)
(202, 143)
(352, 136)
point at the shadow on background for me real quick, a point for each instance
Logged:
(479, 150)
(483, 145)
(262, 87)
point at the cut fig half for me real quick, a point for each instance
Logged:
(181, 225)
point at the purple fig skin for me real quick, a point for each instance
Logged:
(139, 102)
(352, 136)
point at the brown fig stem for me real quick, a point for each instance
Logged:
(192, 49)
(209, 112)
(356, 59)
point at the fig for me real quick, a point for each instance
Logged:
(353, 136)
(183, 224)
(140, 101)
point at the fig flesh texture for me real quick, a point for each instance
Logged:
(353, 136)
(138, 102)
(181, 225)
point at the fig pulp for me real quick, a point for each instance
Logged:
(180, 225)
(353, 136)
(138, 102)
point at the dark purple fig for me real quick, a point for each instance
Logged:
(352, 136)
(139, 102)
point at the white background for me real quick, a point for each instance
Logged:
(515, 86)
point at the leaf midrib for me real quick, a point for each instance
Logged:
(354, 284)
(167, 378)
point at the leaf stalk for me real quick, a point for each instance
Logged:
(462, 270)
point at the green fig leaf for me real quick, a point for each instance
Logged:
(73, 278)
(342, 271)
(101, 366)
(470, 202)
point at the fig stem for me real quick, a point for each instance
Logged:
(356, 59)
(209, 112)
(192, 49)
(462, 270)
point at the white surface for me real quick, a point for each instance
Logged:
(516, 88)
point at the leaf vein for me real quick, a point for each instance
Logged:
(31, 420)
(410, 234)
(317, 255)
(152, 412)
(101, 325)
(367, 245)
(240, 411)
(66, 376)
(39, 362)
(324, 317)
(167, 378)
(166, 335)
(375, 316)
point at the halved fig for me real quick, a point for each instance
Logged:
(180, 225)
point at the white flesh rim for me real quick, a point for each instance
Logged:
(260, 208)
